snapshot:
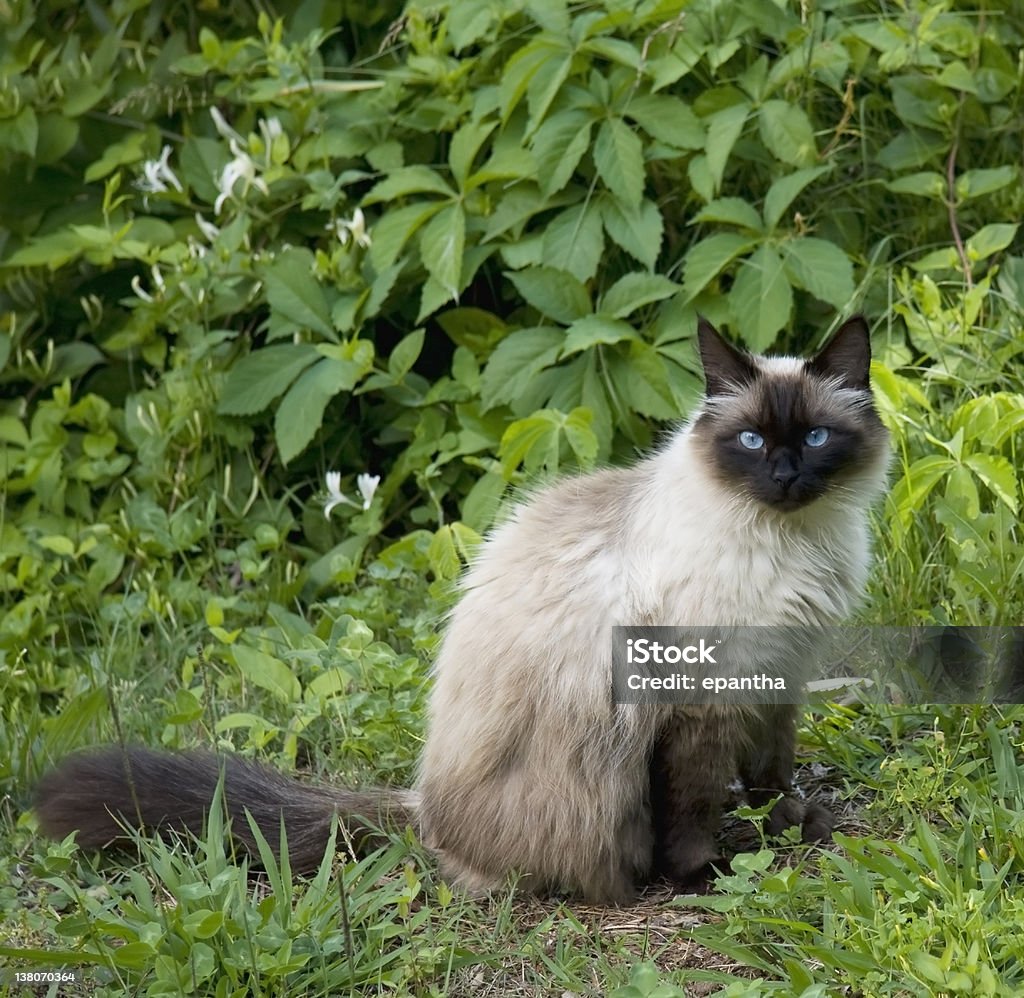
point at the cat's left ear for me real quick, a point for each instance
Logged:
(847, 355)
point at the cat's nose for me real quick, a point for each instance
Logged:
(784, 471)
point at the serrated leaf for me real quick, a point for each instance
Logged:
(408, 180)
(294, 293)
(724, 128)
(465, 144)
(761, 298)
(518, 359)
(705, 261)
(821, 267)
(594, 329)
(554, 293)
(442, 244)
(256, 380)
(268, 673)
(667, 119)
(787, 132)
(301, 412)
(998, 474)
(558, 146)
(395, 228)
(732, 211)
(580, 435)
(574, 241)
(638, 231)
(632, 291)
(546, 82)
(619, 158)
(784, 191)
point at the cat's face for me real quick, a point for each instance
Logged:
(785, 431)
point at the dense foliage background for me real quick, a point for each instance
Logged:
(459, 246)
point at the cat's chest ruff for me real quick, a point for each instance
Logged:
(746, 576)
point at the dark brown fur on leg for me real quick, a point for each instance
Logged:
(766, 768)
(693, 761)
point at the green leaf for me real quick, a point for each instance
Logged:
(619, 158)
(408, 180)
(535, 441)
(732, 211)
(975, 183)
(594, 329)
(554, 293)
(783, 191)
(405, 353)
(516, 362)
(786, 131)
(998, 474)
(724, 128)
(667, 119)
(558, 146)
(128, 150)
(395, 228)
(821, 267)
(989, 240)
(268, 673)
(442, 244)
(573, 240)
(927, 184)
(632, 291)
(705, 261)
(259, 378)
(20, 133)
(761, 298)
(638, 231)
(465, 144)
(294, 293)
(301, 412)
(581, 437)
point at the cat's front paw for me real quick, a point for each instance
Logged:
(816, 822)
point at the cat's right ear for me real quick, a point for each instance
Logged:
(725, 367)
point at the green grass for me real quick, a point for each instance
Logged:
(234, 643)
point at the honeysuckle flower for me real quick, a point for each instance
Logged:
(208, 229)
(367, 485)
(241, 167)
(223, 128)
(270, 129)
(158, 284)
(157, 174)
(354, 230)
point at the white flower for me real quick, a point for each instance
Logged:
(156, 174)
(270, 129)
(137, 288)
(158, 284)
(225, 130)
(208, 229)
(367, 485)
(240, 168)
(354, 230)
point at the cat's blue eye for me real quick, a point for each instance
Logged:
(751, 440)
(816, 437)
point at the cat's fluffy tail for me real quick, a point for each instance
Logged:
(98, 792)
